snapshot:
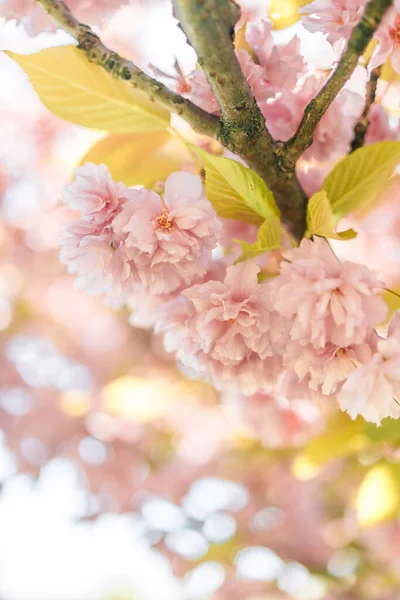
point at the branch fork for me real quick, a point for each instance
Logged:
(209, 27)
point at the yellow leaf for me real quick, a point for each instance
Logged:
(284, 13)
(269, 236)
(242, 44)
(320, 219)
(139, 158)
(84, 93)
(343, 437)
(378, 497)
(388, 73)
(392, 299)
(358, 180)
(235, 191)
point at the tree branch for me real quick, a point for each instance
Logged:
(359, 40)
(125, 70)
(208, 25)
(361, 128)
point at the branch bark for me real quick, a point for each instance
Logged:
(125, 70)
(360, 130)
(208, 25)
(359, 40)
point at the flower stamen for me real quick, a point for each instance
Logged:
(163, 221)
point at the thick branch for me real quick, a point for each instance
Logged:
(125, 70)
(208, 25)
(315, 110)
(360, 130)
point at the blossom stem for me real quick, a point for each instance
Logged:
(123, 69)
(358, 42)
(360, 130)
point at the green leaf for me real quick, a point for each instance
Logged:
(269, 237)
(358, 180)
(320, 219)
(82, 92)
(235, 191)
(388, 431)
(378, 498)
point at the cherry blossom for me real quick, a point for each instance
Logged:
(324, 370)
(227, 329)
(283, 64)
(199, 90)
(336, 18)
(327, 302)
(170, 238)
(95, 194)
(334, 132)
(92, 248)
(253, 10)
(388, 36)
(373, 390)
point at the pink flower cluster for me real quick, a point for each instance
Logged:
(277, 67)
(307, 334)
(303, 333)
(332, 310)
(128, 239)
(227, 330)
(283, 89)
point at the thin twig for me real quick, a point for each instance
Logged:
(360, 130)
(125, 70)
(359, 40)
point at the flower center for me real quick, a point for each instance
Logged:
(340, 352)
(163, 221)
(396, 36)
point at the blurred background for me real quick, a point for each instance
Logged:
(124, 478)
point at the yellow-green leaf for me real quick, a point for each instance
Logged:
(320, 219)
(388, 430)
(269, 237)
(235, 191)
(358, 180)
(343, 437)
(81, 92)
(378, 497)
(139, 158)
(392, 299)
